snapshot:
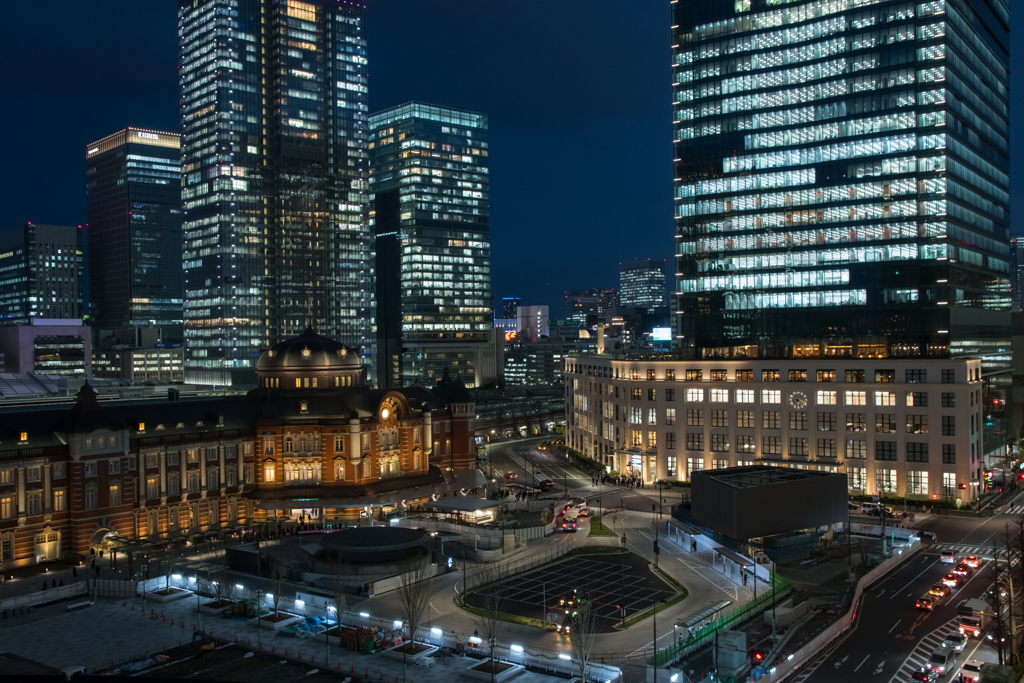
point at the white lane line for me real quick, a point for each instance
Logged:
(895, 625)
(861, 663)
(917, 577)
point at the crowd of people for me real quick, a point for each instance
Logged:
(628, 481)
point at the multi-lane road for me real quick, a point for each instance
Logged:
(891, 637)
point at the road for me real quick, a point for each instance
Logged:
(891, 637)
(532, 465)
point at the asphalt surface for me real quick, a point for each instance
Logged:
(891, 637)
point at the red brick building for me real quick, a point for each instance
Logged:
(310, 437)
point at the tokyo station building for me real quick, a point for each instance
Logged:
(311, 437)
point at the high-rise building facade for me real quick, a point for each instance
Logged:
(133, 189)
(842, 178)
(509, 306)
(579, 304)
(1017, 273)
(642, 284)
(429, 179)
(274, 190)
(40, 273)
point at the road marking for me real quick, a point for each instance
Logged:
(861, 663)
(894, 625)
(842, 661)
(918, 576)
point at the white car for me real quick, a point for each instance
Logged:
(955, 641)
(971, 671)
(948, 555)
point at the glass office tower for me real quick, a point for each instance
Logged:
(40, 273)
(642, 283)
(133, 189)
(274, 189)
(842, 178)
(428, 175)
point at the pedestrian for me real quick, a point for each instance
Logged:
(62, 582)
(74, 572)
(44, 585)
(97, 572)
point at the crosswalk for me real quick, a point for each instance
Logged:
(1014, 510)
(984, 552)
(919, 657)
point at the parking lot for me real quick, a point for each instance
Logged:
(611, 580)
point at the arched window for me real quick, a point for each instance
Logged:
(289, 445)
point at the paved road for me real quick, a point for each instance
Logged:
(891, 637)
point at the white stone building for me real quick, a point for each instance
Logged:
(892, 425)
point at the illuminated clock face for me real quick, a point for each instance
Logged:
(798, 400)
(306, 353)
(384, 414)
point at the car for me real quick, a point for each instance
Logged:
(928, 536)
(939, 590)
(852, 505)
(953, 580)
(948, 555)
(973, 560)
(926, 602)
(546, 485)
(970, 626)
(943, 659)
(926, 675)
(955, 641)
(971, 671)
(584, 511)
(869, 508)
(963, 569)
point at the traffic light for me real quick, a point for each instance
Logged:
(655, 547)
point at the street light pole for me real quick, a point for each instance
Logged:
(259, 617)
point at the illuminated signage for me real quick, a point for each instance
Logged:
(511, 336)
(662, 334)
(148, 136)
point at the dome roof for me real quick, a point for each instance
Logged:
(308, 351)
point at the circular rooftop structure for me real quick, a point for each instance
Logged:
(375, 539)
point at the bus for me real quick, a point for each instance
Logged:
(569, 519)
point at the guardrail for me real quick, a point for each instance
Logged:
(44, 597)
(795, 659)
(779, 588)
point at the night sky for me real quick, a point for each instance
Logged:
(578, 96)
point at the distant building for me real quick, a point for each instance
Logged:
(429, 182)
(164, 365)
(133, 190)
(590, 303)
(1017, 273)
(48, 347)
(534, 322)
(509, 306)
(40, 273)
(642, 284)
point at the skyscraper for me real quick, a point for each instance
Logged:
(509, 307)
(40, 273)
(274, 190)
(842, 178)
(588, 302)
(133, 188)
(428, 176)
(642, 284)
(1017, 272)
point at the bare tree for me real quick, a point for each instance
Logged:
(583, 629)
(218, 574)
(414, 596)
(337, 585)
(170, 560)
(490, 579)
(997, 597)
(275, 572)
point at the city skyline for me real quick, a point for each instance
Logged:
(551, 114)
